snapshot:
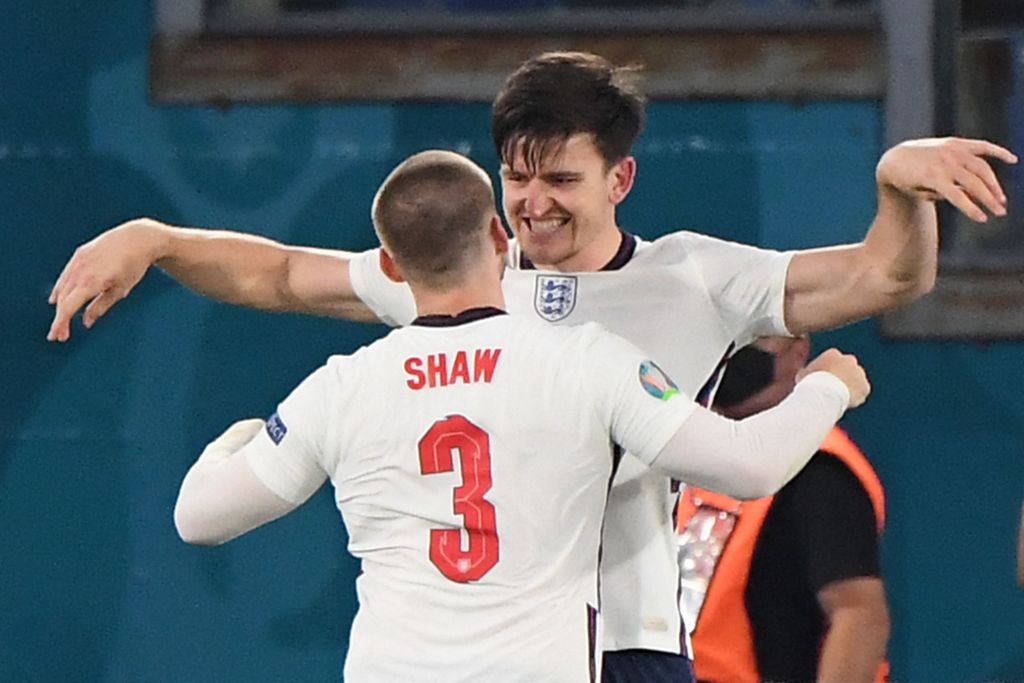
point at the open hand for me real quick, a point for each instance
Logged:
(101, 273)
(953, 169)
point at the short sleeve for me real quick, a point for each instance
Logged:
(641, 404)
(746, 283)
(288, 454)
(390, 301)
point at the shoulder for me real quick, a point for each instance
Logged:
(828, 491)
(823, 473)
(668, 248)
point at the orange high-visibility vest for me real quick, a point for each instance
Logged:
(729, 656)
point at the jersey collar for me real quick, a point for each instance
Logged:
(625, 252)
(467, 316)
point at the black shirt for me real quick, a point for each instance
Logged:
(820, 528)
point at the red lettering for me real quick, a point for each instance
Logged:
(413, 367)
(460, 368)
(484, 364)
(437, 370)
(436, 374)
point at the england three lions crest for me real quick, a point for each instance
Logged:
(555, 296)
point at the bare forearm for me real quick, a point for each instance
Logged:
(854, 646)
(858, 630)
(250, 270)
(894, 264)
(227, 266)
(902, 247)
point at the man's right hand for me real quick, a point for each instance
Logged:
(844, 366)
(102, 272)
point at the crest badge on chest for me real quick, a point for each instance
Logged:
(555, 296)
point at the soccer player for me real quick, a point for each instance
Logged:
(475, 499)
(564, 125)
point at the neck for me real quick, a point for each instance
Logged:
(471, 294)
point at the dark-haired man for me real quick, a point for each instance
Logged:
(478, 526)
(564, 125)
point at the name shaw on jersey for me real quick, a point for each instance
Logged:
(465, 368)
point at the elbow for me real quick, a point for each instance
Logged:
(904, 287)
(192, 526)
(898, 292)
(917, 288)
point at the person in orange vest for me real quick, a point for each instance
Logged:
(788, 587)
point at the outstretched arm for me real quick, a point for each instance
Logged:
(897, 261)
(229, 266)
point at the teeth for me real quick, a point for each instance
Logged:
(546, 226)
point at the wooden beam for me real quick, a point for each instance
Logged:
(471, 67)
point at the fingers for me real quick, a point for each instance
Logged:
(956, 196)
(100, 305)
(975, 186)
(67, 305)
(65, 275)
(985, 173)
(989, 149)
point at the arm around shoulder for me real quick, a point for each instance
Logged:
(254, 271)
(222, 497)
(756, 456)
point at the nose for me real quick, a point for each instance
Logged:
(536, 201)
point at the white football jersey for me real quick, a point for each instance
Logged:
(471, 464)
(687, 300)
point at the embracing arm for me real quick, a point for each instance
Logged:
(758, 455)
(897, 261)
(221, 496)
(229, 266)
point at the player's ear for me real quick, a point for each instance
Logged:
(389, 267)
(621, 178)
(499, 236)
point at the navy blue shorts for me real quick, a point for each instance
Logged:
(645, 666)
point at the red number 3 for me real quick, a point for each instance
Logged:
(456, 433)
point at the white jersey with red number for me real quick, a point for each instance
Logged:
(471, 463)
(687, 300)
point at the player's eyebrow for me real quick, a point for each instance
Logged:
(561, 175)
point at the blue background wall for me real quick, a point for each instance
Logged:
(96, 435)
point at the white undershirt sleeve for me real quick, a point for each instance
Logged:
(756, 456)
(221, 497)
(257, 470)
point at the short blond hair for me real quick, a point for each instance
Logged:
(430, 214)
